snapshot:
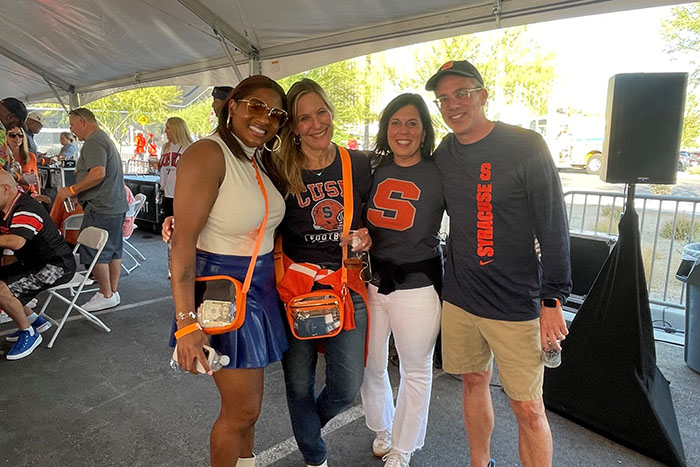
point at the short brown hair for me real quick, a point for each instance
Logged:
(85, 114)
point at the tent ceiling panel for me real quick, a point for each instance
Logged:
(97, 46)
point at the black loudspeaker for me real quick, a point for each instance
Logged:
(644, 119)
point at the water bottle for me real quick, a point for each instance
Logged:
(215, 359)
(551, 357)
(170, 250)
(218, 361)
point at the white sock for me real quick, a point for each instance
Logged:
(30, 329)
(31, 318)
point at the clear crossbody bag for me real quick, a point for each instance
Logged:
(320, 313)
(220, 301)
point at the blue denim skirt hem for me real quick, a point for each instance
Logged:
(261, 339)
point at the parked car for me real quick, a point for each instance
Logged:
(685, 161)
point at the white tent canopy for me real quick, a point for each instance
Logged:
(79, 50)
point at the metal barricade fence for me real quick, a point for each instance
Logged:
(666, 224)
(133, 166)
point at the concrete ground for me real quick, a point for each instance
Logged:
(111, 399)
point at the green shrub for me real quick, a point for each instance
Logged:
(604, 220)
(682, 229)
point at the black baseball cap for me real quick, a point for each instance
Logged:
(221, 92)
(16, 107)
(454, 67)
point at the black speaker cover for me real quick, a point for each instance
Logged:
(644, 119)
(608, 380)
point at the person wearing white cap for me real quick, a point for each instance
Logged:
(34, 123)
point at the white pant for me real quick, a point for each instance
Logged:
(413, 316)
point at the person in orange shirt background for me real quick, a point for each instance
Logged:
(140, 151)
(24, 163)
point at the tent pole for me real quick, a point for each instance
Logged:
(74, 100)
(631, 188)
(254, 63)
(55, 93)
(224, 46)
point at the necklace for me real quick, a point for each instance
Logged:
(319, 172)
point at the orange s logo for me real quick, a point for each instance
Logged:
(394, 212)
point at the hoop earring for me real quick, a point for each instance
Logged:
(297, 140)
(228, 122)
(276, 146)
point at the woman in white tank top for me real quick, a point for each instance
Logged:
(219, 208)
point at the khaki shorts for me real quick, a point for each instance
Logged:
(470, 343)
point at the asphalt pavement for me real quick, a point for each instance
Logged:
(111, 399)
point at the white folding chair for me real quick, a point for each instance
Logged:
(94, 238)
(72, 223)
(134, 208)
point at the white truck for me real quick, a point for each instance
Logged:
(574, 141)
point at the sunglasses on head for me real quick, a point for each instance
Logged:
(259, 108)
(15, 135)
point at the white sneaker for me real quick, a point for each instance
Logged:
(119, 299)
(381, 446)
(396, 459)
(32, 303)
(325, 464)
(4, 318)
(99, 302)
(246, 461)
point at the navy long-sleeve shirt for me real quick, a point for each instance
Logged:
(502, 192)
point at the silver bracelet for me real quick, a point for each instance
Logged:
(181, 315)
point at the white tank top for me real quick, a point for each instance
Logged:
(234, 220)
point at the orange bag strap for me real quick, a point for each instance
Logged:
(348, 210)
(258, 242)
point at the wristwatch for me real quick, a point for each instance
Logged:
(550, 302)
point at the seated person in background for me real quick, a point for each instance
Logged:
(59, 215)
(43, 261)
(23, 163)
(69, 149)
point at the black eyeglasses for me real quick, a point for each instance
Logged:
(259, 108)
(15, 135)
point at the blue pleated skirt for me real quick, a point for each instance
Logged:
(261, 339)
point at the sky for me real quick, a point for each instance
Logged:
(591, 49)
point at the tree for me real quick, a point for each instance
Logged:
(350, 85)
(197, 116)
(690, 137)
(512, 65)
(682, 33)
(118, 111)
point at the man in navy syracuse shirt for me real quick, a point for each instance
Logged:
(501, 300)
(43, 261)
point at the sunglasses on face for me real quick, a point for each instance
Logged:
(15, 135)
(258, 108)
